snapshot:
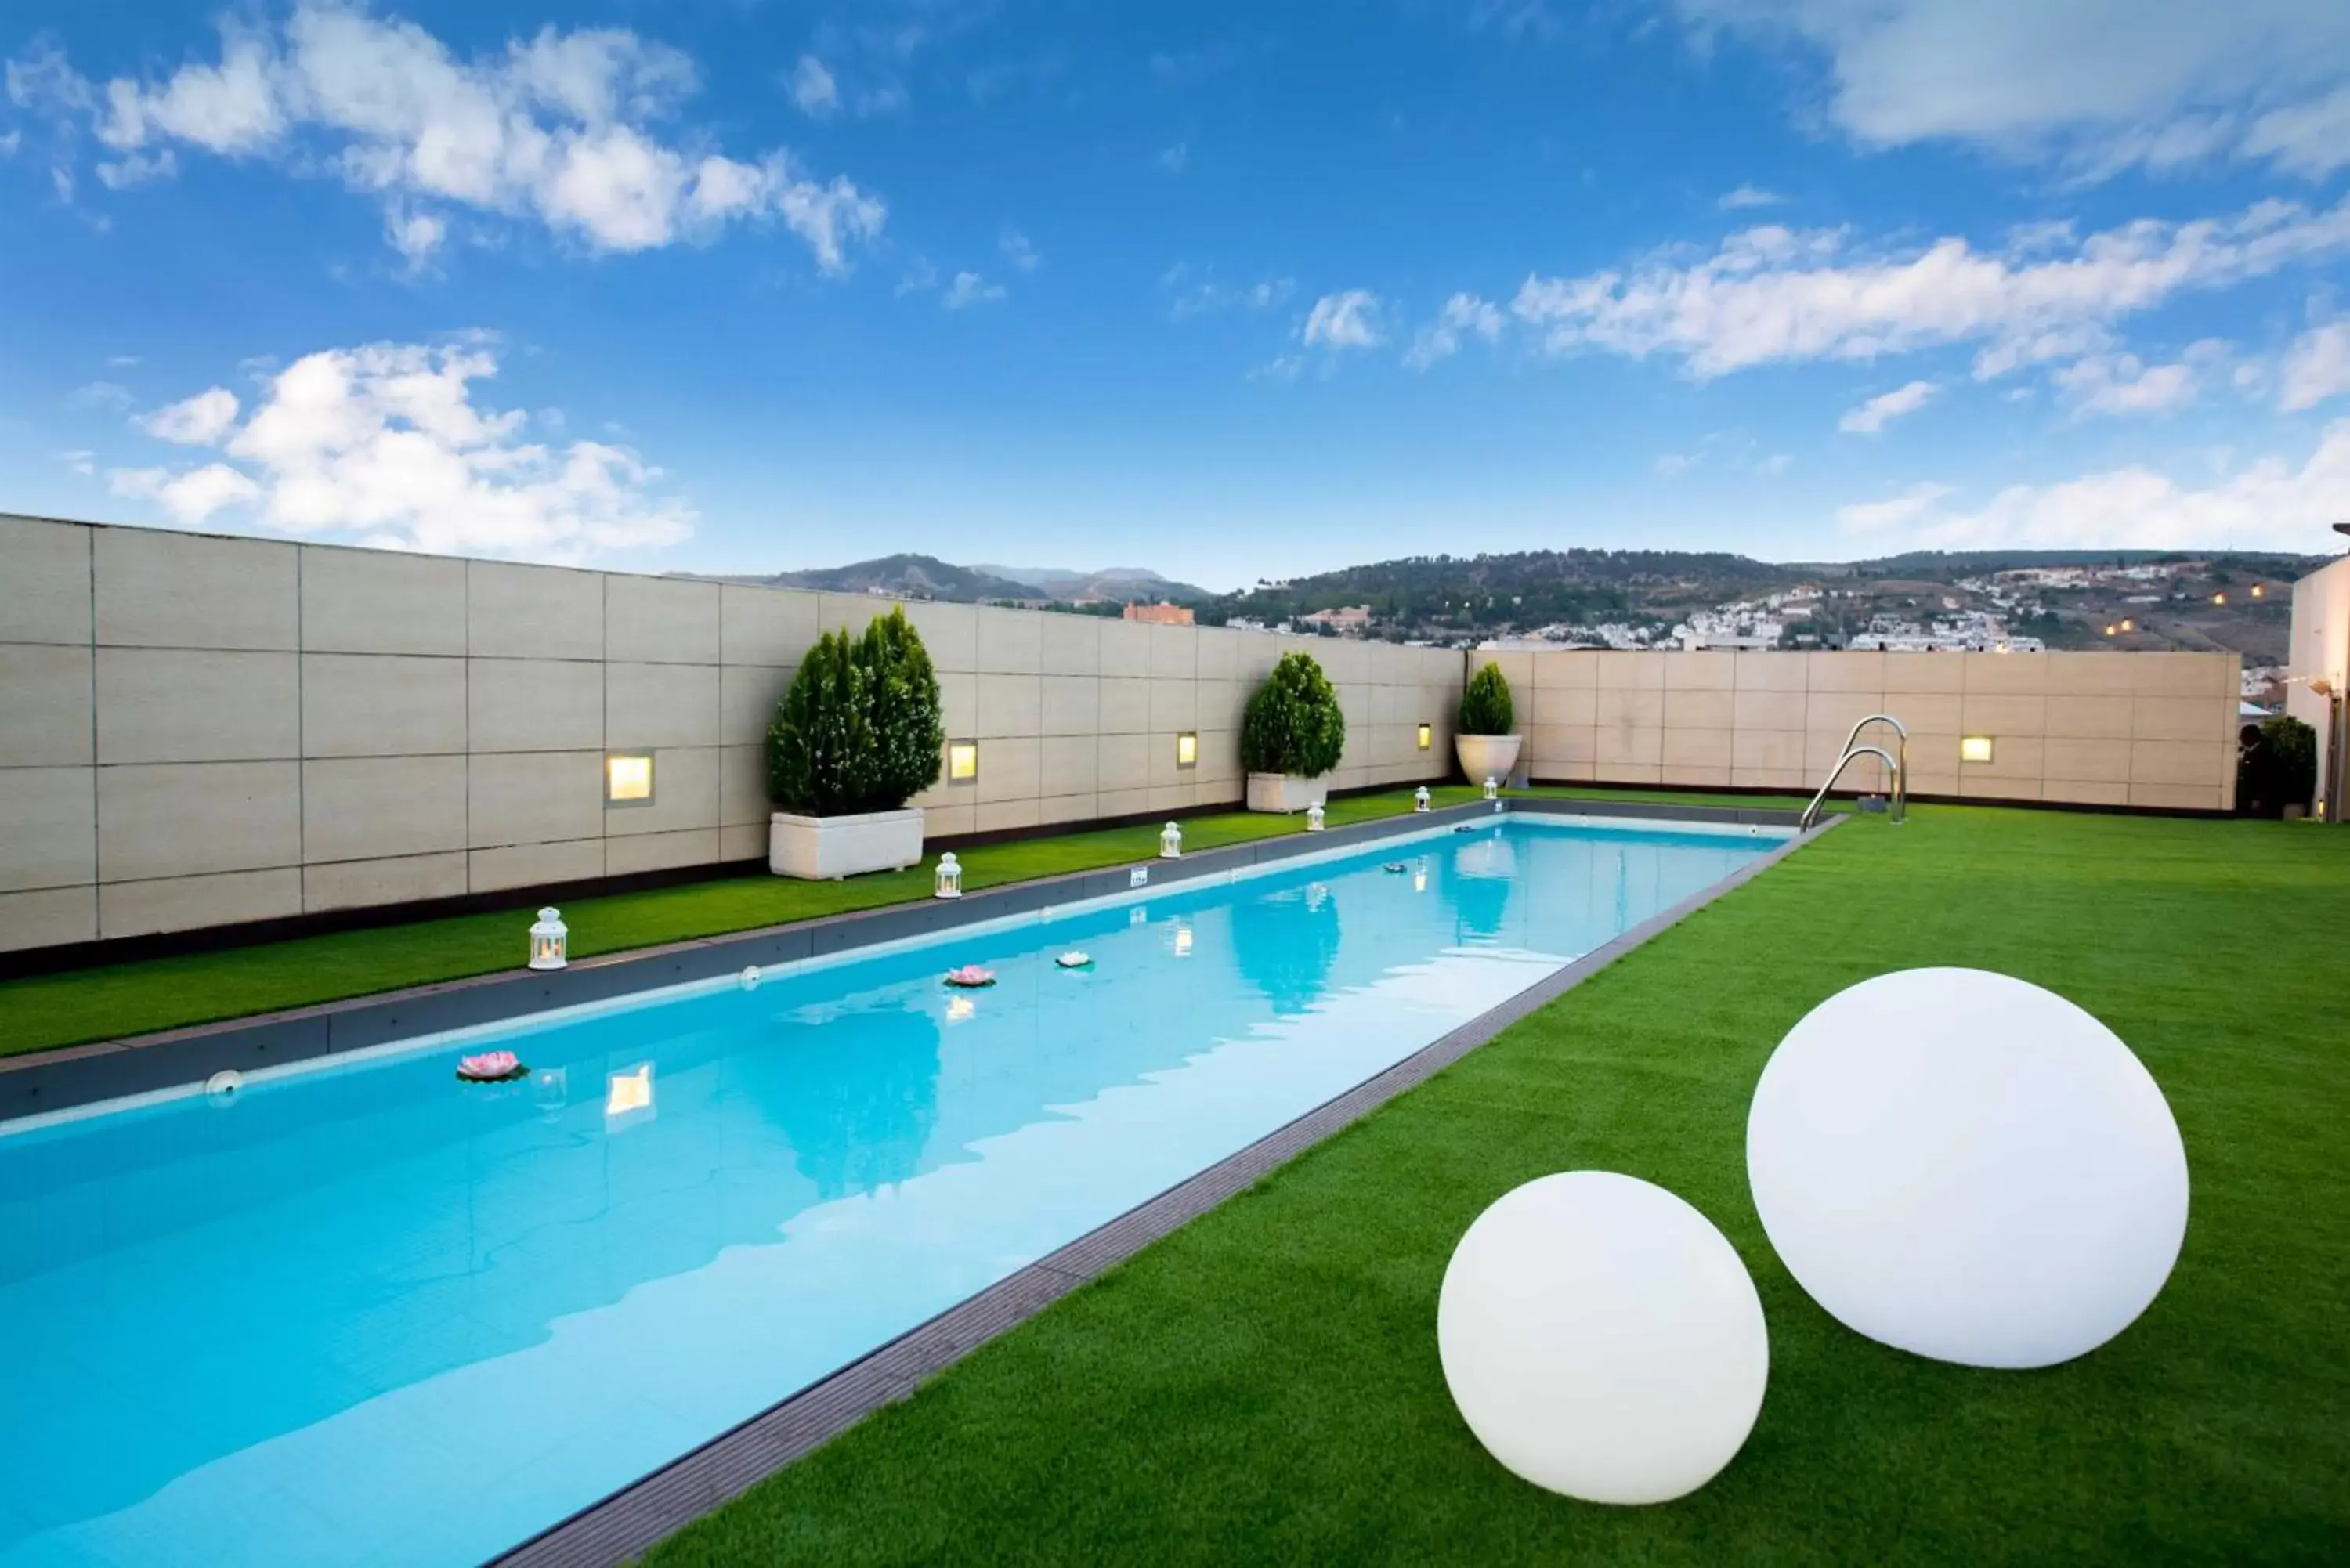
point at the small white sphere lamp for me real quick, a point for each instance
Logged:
(1602, 1339)
(548, 940)
(1963, 1165)
(1170, 842)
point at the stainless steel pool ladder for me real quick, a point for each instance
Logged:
(1897, 763)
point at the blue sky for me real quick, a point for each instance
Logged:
(1229, 290)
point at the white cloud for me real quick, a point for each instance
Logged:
(100, 395)
(1885, 408)
(190, 497)
(1777, 463)
(2268, 503)
(1198, 293)
(812, 90)
(1171, 160)
(1019, 252)
(2124, 384)
(970, 288)
(564, 128)
(1348, 319)
(386, 443)
(1747, 196)
(1463, 314)
(200, 420)
(1673, 464)
(1772, 294)
(2100, 85)
(2317, 366)
(1868, 516)
(82, 461)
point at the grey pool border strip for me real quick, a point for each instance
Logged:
(48, 1083)
(632, 1520)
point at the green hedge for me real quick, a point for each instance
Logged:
(860, 728)
(1294, 725)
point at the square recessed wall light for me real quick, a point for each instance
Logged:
(1427, 736)
(1187, 749)
(963, 761)
(1974, 748)
(628, 778)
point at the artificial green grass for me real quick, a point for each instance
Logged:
(43, 1011)
(1263, 1385)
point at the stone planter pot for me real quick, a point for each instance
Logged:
(1284, 792)
(827, 848)
(1486, 757)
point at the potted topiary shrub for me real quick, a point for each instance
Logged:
(858, 736)
(1292, 734)
(1482, 740)
(2276, 769)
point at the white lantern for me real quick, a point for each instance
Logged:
(547, 940)
(950, 883)
(1492, 790)
(1419, 798)
(1313, 817)
(1964, 1165)
(1170, 842)
(1602, 1339)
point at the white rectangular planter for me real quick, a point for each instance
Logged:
(827, 848)
(1284, 792)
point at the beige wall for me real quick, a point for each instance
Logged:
(197, 730)
(2106, 729)
(2320, 650)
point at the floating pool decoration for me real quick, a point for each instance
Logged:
(1313, 817)
(950, 878)
(1420, 797)
(1967, 1167)
(548, 940)
(1395, 868)
(492, 1067)
(1170, 842)
(1602, 1338)
(1074, 959)
(970, 977)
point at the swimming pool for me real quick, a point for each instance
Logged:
(359, 1313)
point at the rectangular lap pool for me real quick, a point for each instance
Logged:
(358, 1313)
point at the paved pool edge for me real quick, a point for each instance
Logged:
(631, 1521)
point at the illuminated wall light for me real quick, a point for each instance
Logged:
(628, 778)
(1974, 748)
(2109, 631)
(2219, 598)
(2129, 626)
(2260, 591)
(963, 761)
(1427, 736)
(1187, 749)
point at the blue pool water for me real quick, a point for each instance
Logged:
(361, 1313)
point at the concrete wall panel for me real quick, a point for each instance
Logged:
(191, 819)
(532, 612)
(374, 601)
(161, 590)
(186, 705)
(47, 719)
(48, 828)
(375, 705)
(45, 566)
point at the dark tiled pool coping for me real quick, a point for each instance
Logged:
(639, 1516)
(76, 1075)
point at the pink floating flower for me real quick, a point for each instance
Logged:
(971, 976)
(490, 1067)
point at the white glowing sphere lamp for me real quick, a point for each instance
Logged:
(1602, 1338)
(1965, 1166)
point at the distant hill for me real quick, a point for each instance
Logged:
(928, 577)
(1120, 583)
(909, 577)
(1463, 598)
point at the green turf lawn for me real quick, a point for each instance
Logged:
(42, 1012)
(1262, 1385)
